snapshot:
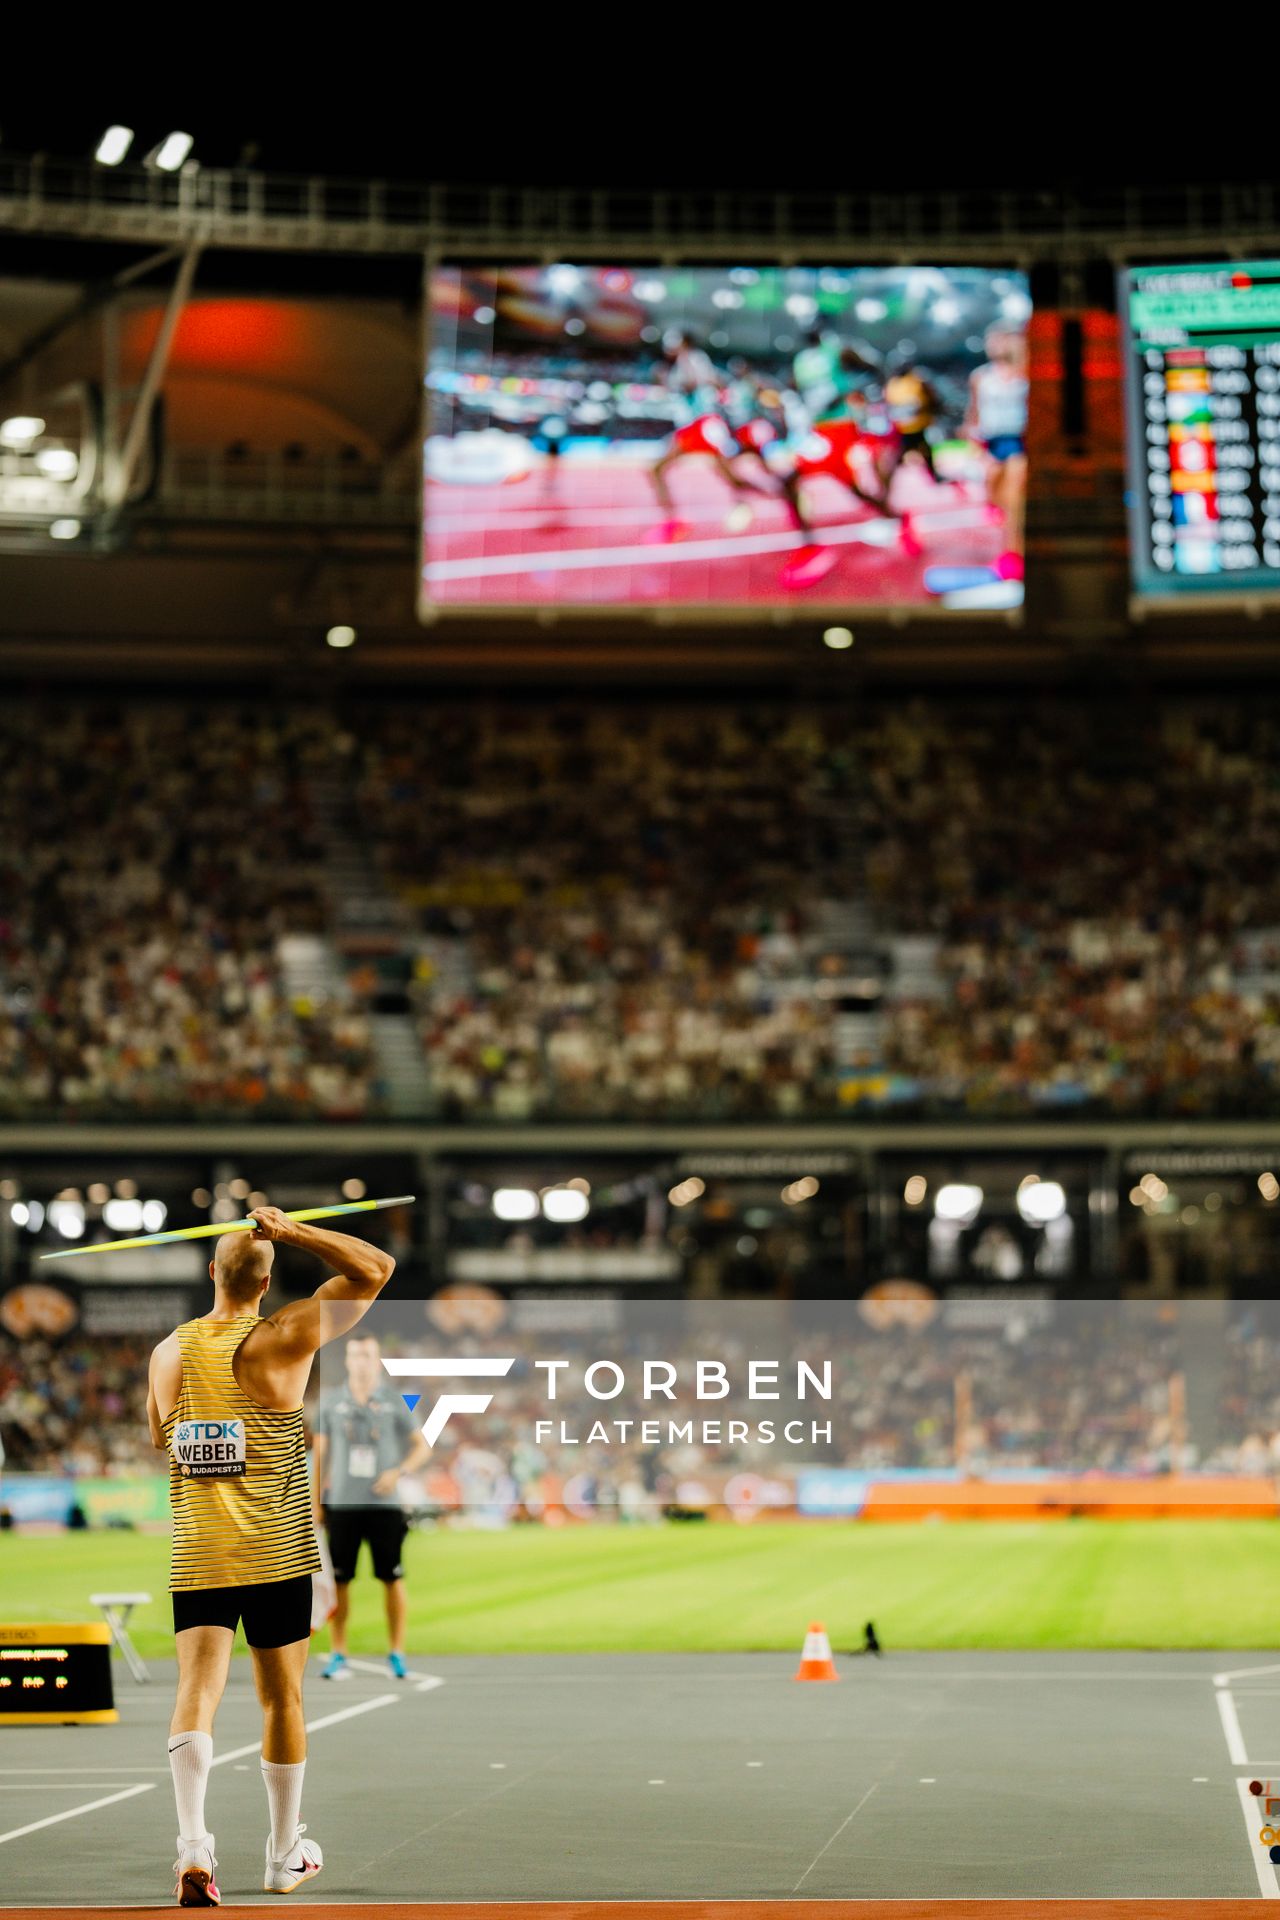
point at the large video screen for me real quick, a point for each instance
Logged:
(725, 437)
(1203, 391)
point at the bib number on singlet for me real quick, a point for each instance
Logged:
(209, 1449)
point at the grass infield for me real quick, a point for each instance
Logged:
(720, 1587)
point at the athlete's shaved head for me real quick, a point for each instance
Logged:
(241, 1267)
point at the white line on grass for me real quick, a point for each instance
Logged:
(1268, 1882)
(835, 1836)
(90, 1806)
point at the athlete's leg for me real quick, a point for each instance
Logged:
(204, 1656)
(879, 501)
(277, 1673)
(397, 1613)
(737, 481)
(345, 1531)
(1015, 499)
(341, 1613)
(925, 449)
(794, 503)
(888, 465)
(658, 475)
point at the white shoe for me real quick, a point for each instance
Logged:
(302, 1862)
(194, 1870)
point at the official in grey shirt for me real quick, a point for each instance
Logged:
(365, 1438)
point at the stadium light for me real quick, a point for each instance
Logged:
(113, 146)
(515, 1203)
(171, 152)
(563, 281)
(958, 1201)
(57, 463)
(839, 639)
(1040, 1201)
(341, 637)
(67, 1218)
(687, 1191)
(123, 1216)
(565, 1205)
(20, 430)
(154, 1215)
(64, 529)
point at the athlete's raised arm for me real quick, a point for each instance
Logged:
(164, 1384)
(338, 1303)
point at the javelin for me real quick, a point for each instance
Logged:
(230, 1226)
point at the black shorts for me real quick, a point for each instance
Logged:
(275, 1614)
(383, 1527)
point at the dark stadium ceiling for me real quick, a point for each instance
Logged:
(697, 123)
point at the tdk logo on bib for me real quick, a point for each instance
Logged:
(209, 1449)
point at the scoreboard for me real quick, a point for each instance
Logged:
(55, 1674)
(1202, 365)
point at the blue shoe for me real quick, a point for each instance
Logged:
(336, 1668)
(399, 1671)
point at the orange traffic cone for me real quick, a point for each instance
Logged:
(815, 1661)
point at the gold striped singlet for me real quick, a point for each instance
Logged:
(237, 1472)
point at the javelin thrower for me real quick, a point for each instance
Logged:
(224, 1399)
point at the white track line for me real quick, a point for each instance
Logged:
(422, 1682)
(313, 1726)
(1268, 1880)
(219, 1760)
(879, 532)
(1250, 1805)
(72, 1813)
(1243, 1673)
(835, 1836)
(1230, 1719)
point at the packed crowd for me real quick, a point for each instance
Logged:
(150, 859)
(74, 1406)
(1085, 1388)
(687, 911)
(1249, 1412)
(645, 902)
(1090, 1391)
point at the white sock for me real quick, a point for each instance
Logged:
(284, 1797)
(190, 1757)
